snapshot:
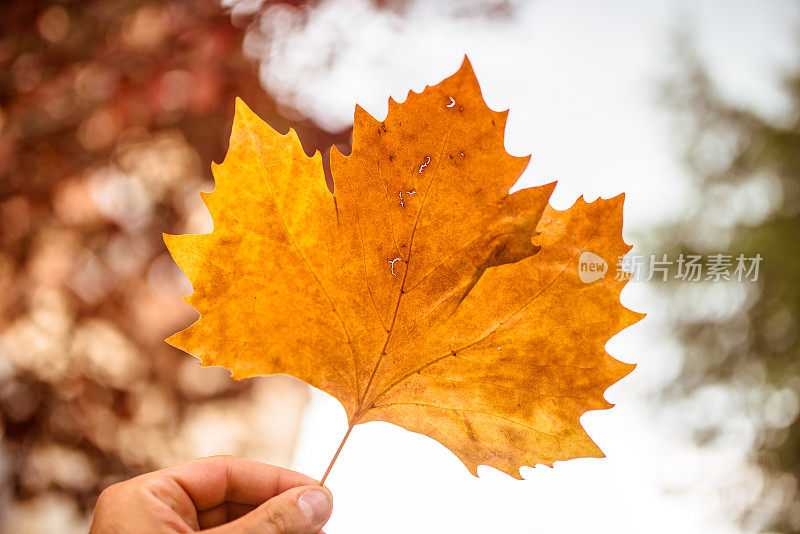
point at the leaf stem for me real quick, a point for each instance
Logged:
(335, 456)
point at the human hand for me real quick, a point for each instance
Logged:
(223, 494)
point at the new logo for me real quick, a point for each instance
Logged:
(591, 267)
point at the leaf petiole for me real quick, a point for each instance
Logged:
(335, 456)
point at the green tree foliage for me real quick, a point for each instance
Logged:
(747, 171)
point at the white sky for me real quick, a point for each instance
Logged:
(580, 79)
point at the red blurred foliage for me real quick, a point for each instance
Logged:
(110, 112)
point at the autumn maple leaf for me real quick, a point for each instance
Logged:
(420, 292)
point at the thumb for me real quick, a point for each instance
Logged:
(301, 510)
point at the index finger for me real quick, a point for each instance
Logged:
(209, 482)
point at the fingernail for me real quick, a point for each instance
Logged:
(315, 505)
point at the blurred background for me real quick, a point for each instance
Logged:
(111, 112)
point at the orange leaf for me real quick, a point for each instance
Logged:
(421, 292)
